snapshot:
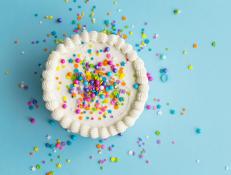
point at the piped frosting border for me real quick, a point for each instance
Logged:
(67, 122)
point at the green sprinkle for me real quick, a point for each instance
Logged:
(213, 44)
(176, 11)
(38, 166)
(157, 132)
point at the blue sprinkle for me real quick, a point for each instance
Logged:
(136, 86)
(69, 142)
(73, 137)
(172, 111)
(197, 130)
(51, 122)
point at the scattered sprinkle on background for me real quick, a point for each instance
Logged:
(185, 126)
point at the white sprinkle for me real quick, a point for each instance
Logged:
(197, 161)
(130, 153)
(33, 168)
(48, 137)
(159, 112)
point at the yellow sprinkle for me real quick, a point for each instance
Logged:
(124, 18)
(144, 36)
(58, 68)
(190, 67)
(130, 33)
(121, 76)
(64, 98)
(59, 165)
(36, 149)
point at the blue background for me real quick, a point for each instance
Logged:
(204, 91)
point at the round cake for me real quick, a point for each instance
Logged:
(95, 85)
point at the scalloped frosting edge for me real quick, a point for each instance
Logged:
(73, 125)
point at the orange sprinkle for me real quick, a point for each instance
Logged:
(123, 83)
(105, 62)
(80, 117)
(98, 146)
(124, 18)
(195, 45)
(125, 36)
(76, 65)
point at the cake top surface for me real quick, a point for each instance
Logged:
(90, 82)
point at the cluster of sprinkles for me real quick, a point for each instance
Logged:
(159, 107)
(110, 26)
(23, 85)
(107, 149)
(32, 104)
(142, 151)
(97, 87)
(53, 148)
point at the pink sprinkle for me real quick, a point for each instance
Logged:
(58, 145)
(76, 82)
(103, 146)
(150, 78)
(77, 111)
(100, 64)
(77, 60)
(148, 107)
(108, 56)
(109, 62)
(64, 105)
(62, 61)
(32, 120)
(29, 103)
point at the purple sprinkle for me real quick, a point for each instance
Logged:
(158, 141)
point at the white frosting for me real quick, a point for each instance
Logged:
(104, 133)
(112, 130)
(112, 39)
(121, 127)
(61, 48)
(94, 133)
(125, 116)
(57, 114)
(129, 121)
(76, 39)
(75, 127)
(66, 122)
(84, 130)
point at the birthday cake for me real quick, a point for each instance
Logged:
(95, 85)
